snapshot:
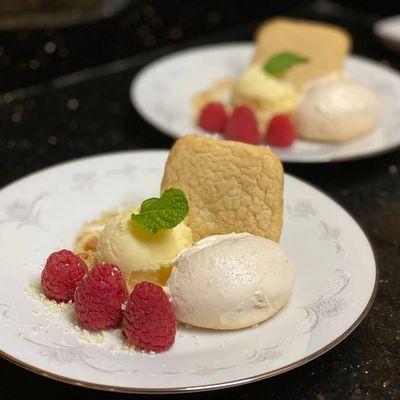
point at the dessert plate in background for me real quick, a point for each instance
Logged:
(163, 91)
(336, 280)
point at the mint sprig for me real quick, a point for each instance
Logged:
(165, 212)
(281, 62)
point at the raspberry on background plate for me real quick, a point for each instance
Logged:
(242, 126)
(61, 275)
(99, 298)
(213, 118)
(149, 320)
(280, 131)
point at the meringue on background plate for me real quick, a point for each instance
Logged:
(336, 109)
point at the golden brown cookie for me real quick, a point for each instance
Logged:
(231, 186)
(325, 45)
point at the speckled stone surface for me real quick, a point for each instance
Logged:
(90, 113)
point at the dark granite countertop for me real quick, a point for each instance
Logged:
(54, 118)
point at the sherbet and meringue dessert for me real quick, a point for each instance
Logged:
(288, 90)
(227, 198)
(230, 281)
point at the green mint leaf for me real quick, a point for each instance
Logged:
(163, 213)
(281, 62)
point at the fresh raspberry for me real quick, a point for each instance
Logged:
(280, 131)
(242, 126)
(213, 118)
(99, 298)
(149, 320)
(61, 275)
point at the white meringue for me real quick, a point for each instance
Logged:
(230, 281)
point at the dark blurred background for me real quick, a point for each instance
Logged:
(41, 39)
(66, 65)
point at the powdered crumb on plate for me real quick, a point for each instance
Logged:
(93, 337)
(34, 290)
(37, 328)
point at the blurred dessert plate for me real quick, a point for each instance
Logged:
(169, 93)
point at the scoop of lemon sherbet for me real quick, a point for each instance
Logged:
(139, 254)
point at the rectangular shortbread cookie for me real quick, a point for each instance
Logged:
(231, 186)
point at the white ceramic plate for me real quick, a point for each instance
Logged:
(163, 91)
(335, 285)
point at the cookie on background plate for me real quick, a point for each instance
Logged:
(326, 46)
